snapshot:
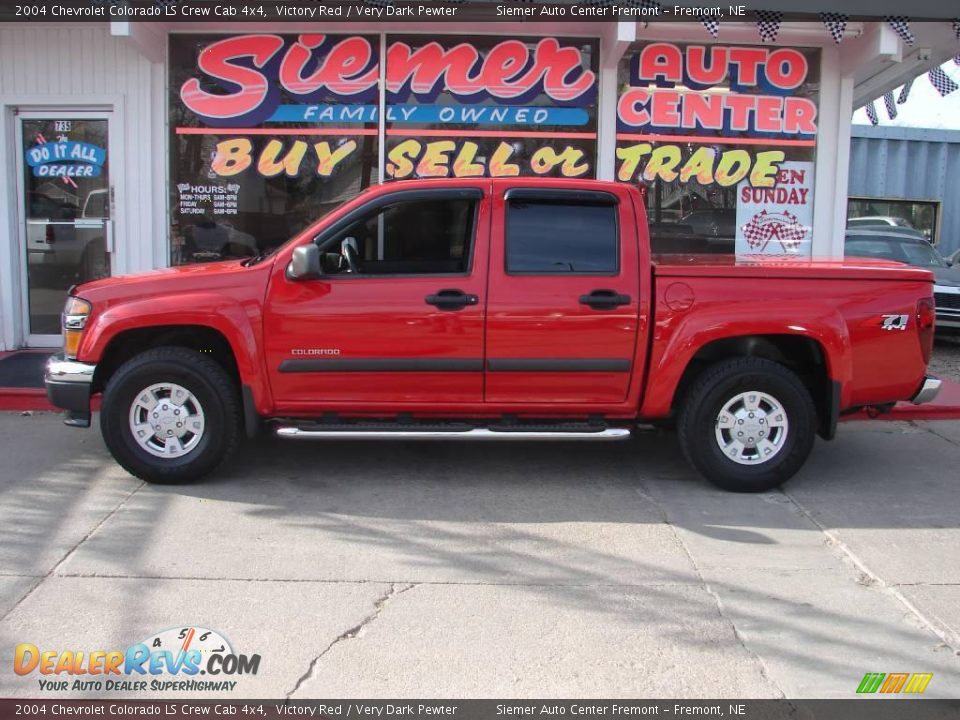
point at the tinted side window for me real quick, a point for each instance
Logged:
(546, 237)
(422, 237)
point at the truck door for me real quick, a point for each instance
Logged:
(396, 316)
(563, 299)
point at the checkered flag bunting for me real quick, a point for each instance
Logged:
(956, 28)
(956, 60)
(836, 24)
(712, 26)
(768, 24)
(165, 3)
(941, 81)
(890, 104)
(905, 92)
(901, 26)
(872, 113)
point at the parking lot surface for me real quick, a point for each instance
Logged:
(516, 570)
(945, 362)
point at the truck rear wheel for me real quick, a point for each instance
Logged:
(747, 424)
(170, 415)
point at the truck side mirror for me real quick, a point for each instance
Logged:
(305, 263)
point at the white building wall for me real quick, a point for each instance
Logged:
(83, 67)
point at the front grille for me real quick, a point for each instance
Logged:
(944, 300)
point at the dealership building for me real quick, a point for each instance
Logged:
(139, 145)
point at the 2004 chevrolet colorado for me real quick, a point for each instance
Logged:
(520, 309)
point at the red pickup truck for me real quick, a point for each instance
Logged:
(518, 309)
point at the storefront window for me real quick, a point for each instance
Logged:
(723, 138)
(908, 215)
(491, 107)
(268, 133)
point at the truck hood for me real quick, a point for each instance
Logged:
(214, 276)
(947, 277)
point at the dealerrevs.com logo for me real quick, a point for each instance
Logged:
(191, 658)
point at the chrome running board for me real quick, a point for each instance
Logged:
(471, 434)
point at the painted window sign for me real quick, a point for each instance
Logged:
(504, 108)
(293, 121)
(241, 182)
(724, 137)
(65, 158)
(685, 83)
(330, 78)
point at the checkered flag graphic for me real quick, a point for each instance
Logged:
(956, 60)
(905, 92)
(712, 26)
(836, 23)
(378, 3)
(872, 113)
(890, 104)
(754, 232)
(601, 3)
(790, 233)
(901, 26)
(941, 81)
(768, 24)
(165, 3)
(956, 28)
(764, 227)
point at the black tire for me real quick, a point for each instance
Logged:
(206, 380)
(710, 393)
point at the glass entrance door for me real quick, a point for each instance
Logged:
(65, 212)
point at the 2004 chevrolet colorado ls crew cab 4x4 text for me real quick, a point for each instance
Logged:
(492, 309)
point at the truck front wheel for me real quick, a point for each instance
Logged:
(747, 424)
(170, 415)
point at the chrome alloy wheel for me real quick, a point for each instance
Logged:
(166, 420)
(752, 428)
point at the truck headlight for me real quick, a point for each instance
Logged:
(75, 314)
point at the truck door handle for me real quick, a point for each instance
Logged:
(604, 299)
(452, 299)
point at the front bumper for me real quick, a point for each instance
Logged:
(69, 384)
(927, 392)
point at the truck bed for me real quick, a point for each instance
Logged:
(671, 265)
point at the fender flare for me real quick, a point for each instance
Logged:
(214, 311)
(694, 331)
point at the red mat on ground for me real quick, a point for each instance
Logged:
(946, 406)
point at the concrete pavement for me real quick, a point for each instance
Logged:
(416, 570)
